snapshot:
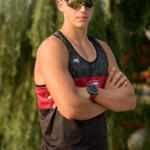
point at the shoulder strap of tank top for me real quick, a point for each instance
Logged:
(95, 41)
(59, 35)
(98, 45)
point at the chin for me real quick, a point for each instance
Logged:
(81, 25)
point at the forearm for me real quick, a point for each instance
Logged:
(84, 108)
(87, 109)
(117, 99)
(78, 106)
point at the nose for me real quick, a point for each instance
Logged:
(83, 8)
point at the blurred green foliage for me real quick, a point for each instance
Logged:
(24, 24)
(122, 124)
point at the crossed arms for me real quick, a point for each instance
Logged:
(73, 102)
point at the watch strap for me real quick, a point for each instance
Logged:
(92, 97)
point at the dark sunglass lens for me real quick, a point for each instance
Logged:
(73, 4)
(89, 3)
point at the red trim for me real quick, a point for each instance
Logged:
(43, 98)
(43, 94)
(83, 82)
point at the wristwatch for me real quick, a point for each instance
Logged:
(93, 91)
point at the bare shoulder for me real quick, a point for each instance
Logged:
(51, 53)
(52, 47)
(110, 56)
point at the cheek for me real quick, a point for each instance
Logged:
(69, 14)
(90, 13)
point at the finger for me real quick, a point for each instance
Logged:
(49, 97)
(121, 82)
(125, 84)
(117, 78)
(54, 106)
(111, 75)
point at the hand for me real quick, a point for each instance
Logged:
(82, 91)
(54, 105)
(115, 80)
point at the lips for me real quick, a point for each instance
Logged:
(82, 17)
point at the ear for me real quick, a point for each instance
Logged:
(60, 5)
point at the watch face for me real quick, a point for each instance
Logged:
(92, 90)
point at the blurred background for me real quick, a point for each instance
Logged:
(24, 24)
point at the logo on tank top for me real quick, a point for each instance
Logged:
(93, 82)
(76, 60)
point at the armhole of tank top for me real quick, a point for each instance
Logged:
(100, 46)
(96, 42)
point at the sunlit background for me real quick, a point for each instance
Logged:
(24, 24)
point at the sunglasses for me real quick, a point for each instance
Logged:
(76, 4)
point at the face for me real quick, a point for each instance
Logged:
(78, 16)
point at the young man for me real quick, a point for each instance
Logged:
(77, 80)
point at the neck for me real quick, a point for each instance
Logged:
(75, 35)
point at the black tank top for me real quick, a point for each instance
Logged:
(59, 133)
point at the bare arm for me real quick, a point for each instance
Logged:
(113, 96)
(117, 98)
(52, 57)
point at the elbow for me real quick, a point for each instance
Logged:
(132, 103)
(69, 114)
(72, 114)
(71, 110)
(132, 99)
(128, 106)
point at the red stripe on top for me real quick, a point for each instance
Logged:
(98, 81)
(43, 98)
(43, 95)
